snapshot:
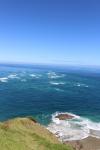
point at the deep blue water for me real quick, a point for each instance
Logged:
(41, 91)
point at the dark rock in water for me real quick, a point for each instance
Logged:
(64, 116)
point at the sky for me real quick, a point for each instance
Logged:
(50, 31)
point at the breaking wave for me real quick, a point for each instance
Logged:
(53, 75)
(58, 89)
(57, 83)
(73, 129)
(35, 75)
(3, 79)
(81, 85)
(13, 76)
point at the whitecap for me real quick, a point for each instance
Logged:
(35, 75)
(10, 76)
(73, 129)
(32, 75)
(57, 89)
(3, 79)
(57, 83)
(13, 76)
(81, 85)
(23, 80)
(53, 75)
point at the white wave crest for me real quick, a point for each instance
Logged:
(13, 76)
(57, 83)
(73, 129)
(23, 80)
(59, 90)
(3, 79)
(53, 75)
(81, 85)
(35, 75)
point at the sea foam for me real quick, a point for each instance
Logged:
(13, 76)
(73, 129)
(57, 83)
(35, 75)
(53, 75)
(10, 76)
(81, 85)
(3, 79)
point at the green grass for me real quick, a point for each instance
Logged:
(25, 134)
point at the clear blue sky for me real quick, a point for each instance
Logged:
(50, 31)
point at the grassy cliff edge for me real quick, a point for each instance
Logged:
(26, 134)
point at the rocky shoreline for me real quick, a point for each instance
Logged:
(89, 143)
(64, 116)
(36, 135)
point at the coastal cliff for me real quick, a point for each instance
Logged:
(27, 134)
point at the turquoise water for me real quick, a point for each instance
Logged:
(41, 91)
(26, 91)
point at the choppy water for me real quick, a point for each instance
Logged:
(44, 91)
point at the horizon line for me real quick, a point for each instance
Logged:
(49, 64)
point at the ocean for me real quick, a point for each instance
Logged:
(46, 91)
